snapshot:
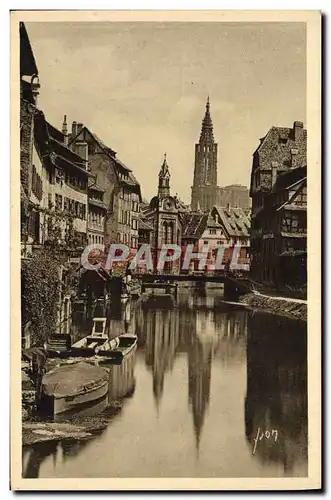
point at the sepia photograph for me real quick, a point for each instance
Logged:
(166, 323)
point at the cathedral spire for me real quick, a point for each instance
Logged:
(207, 125)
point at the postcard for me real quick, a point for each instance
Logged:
(165, 256)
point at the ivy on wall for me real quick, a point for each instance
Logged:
(45, 279)
(40, 289)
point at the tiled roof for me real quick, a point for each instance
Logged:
(48, 145)
(55, 133)
(145, 225)
(67, 154)
(194, 225)
(234, 221)
(280, 146)
(107, 149)
(130, 181)
(103, 146)
(121, 164)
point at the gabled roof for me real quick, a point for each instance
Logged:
(28, 66)
(49, 146)
(234, 221)
(130, 180)
(101, 144)
(194, 225)
(281, 147)
(278, 143)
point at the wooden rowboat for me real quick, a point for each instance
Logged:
(127, 344)
(71, 387)
(90, 345)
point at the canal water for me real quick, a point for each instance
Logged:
(215, 391)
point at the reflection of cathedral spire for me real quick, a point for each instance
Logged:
(161, 343)
(199, 366)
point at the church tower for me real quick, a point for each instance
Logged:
(164, 180)
(205, 169)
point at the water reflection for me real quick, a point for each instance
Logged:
(199, 377)
(206, 377)
(162, 337)
(276, 395)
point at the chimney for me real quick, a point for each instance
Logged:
(274, 166)
(65, 130)
(79, 127)
(294, 153)
(74, 129)
(297, 130)
(35, 86)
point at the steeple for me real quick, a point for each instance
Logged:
(204, 187)
(164, 179)
(207, 126)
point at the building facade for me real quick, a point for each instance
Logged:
(164, 214)
(235, 227)
(54, 179)
(279, 204)
(284, 228)
(97, 212)
(225, 227)
(234, 195)
(205, 192)
(122, 193)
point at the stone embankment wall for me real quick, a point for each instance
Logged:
(284, 307)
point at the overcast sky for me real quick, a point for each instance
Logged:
(142, 88)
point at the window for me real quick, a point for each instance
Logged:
(50, 202)
(212, 231)
(72, 207)
(164, 232)
(301, 198)
(58, 202)
(66, 204)
(296, 223)
(36, 184)
(58, 176)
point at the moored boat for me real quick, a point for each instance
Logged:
(127, 344)
(58, 345)
(70, 387)
(89, 346)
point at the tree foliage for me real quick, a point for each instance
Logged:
(40, 289)
(46, 278)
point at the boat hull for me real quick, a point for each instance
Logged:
(88, 345)
(116, 356)
(55, 406)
